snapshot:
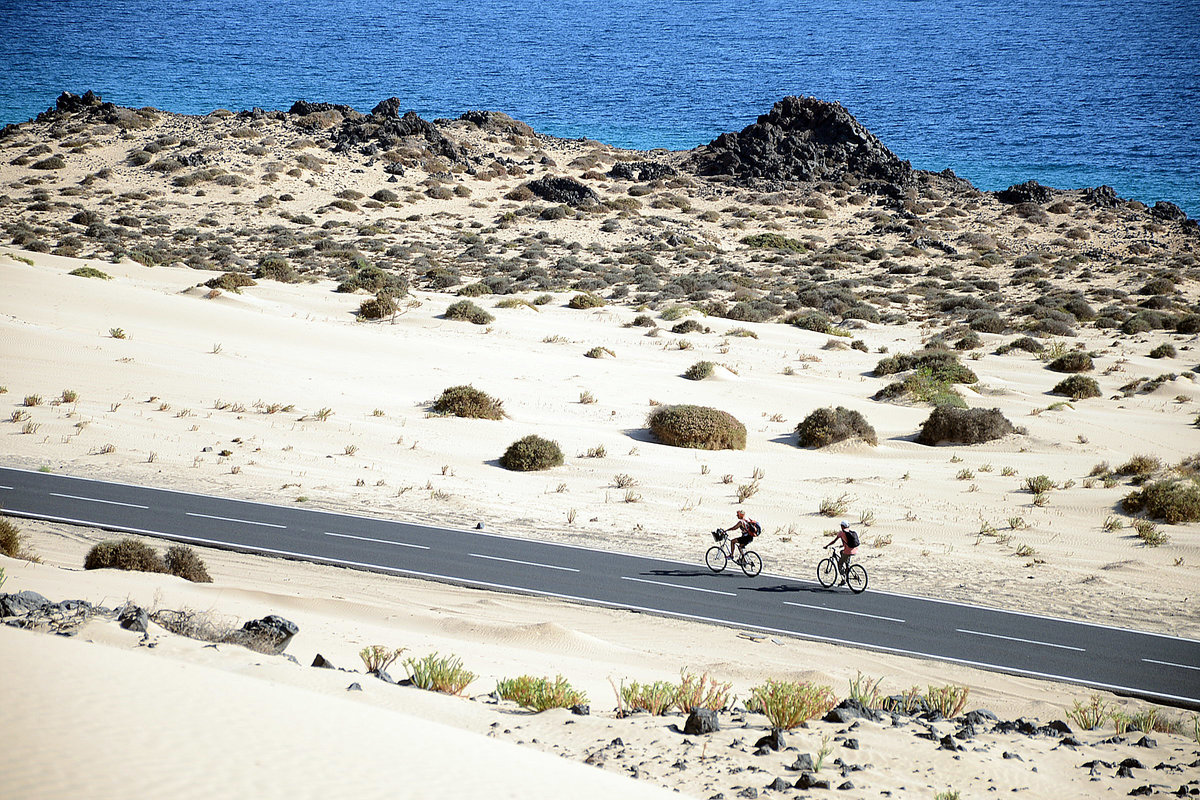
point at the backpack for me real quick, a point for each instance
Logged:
(755, 528)
(852, 539)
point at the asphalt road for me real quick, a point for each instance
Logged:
(1154, 666)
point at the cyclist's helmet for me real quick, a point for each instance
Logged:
(741, 514)
(845, 526)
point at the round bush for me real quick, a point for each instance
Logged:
(231, 282)
(530, 453)
(1189, 323)
(964, 425)
(1164, 350)
(810, 321)
(697, 426)
(469, 402)
(10, 538)
(183, 561)
(1077, 387)
(699, 371)
(378, 307)
(828, 425)
(385, 196)
(1172, 501)
(687, 326)
(585, 300)
(466, 311)
(1074, 361)
(128, 554)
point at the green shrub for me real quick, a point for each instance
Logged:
(656, 698)
(687, 326)
(825, 426)
(1090, 716)
(539, 694)
(1140, 465)
(53, 162)
(643, 321)
(697, 426)
(1077, 387)
(466, 311)
(699, 371)
(127, 554)
(230, 282)
(964, 425)
(949, 700)
(585, 300)
(942, 365)
(183, 562)
(531, 453)
(469, 402)
(701, 691)
(923, 386)
(810, 321)
(1172, 501)
(374, 280)
(1164, 350)
(477, 289)
(380, 306)
(774, 241)
(1026, 343)
(672, 313)
(376, 657)
(435, 674)
(385, 196)
(90, 272)
(276, 268)
(1040, 483)
(1074, 361)
(787, 704)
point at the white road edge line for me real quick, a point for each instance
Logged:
(93, 500)
(234, 519)
(6, 487)
(840, 611)
(380, 541)
(679, 586)
(457, 581)
(1024, 641)
(526, 563)
(1170, 664)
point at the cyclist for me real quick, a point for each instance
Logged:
(749, 529)
(849, 539)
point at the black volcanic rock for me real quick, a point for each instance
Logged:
(1027, 192)
(1168, 211)
(802, 139)
(384, 129)
(640, 171)
(563, 190)
(1103, 196)
(71, 103)
(497, 122)
(387, 108)
(303, 108)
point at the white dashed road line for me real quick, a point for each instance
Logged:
(1171, 664)
(1024, 641)
(840, 611)
(526, 563)
(233, 519)
(678, 586)
(95, 500)
(377, 541)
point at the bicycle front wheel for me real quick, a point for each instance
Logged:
(715, 558)
(751, 563)
(827, 572)
(856, 578)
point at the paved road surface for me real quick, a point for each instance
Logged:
(1154, 666)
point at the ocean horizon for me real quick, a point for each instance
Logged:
(1070, 94)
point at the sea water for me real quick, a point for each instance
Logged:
(1067, 92)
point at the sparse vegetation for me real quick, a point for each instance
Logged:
(787, 704)
(699, 371)
(531, 453)
(1077, 387)
(697, 426)
(444, 674)
(466, 311)
(964, 426)
(469, 402)
(1171, 500)
(826, 426)
(539, 694)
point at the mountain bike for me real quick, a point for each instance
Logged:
(721, 553)
(830, 569)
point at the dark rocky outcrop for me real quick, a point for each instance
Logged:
(497, 122)
(72, 103)
(1168, 211)
(271, 634)
(802, 139)
(1027, 192)
(701, 720)
(302, 108)
(563, 190)
(773, 740)
(849, 710)
(1103, 196)
(133, 618)
(641, 171)
(383, 128)
(21, 603)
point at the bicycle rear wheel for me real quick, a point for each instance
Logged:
(827, 572)
(715, 558)
(856, 578)
(751, 563)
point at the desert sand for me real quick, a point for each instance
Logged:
(279, 392)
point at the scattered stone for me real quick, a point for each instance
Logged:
(803, 763)
(779, 785)
(749, 792)
(21, 603)
(271, 634)
(1007, 755)
(1027, 192)
(322, 662)
(1133, 763)
(1142, 790)
(581, 709)
(1146, 741)
(1124, 772)
(846, 786)
(641, 171)
(979, 716)
(383, 675)
(850, 710)
(808, 781)
(354, 687)
(773, 740)
(700, 721)
(133, 618)
(1102, 197)
(1070, 741)
(850, 744)
(948, 743)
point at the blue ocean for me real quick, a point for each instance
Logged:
(1071, 93)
